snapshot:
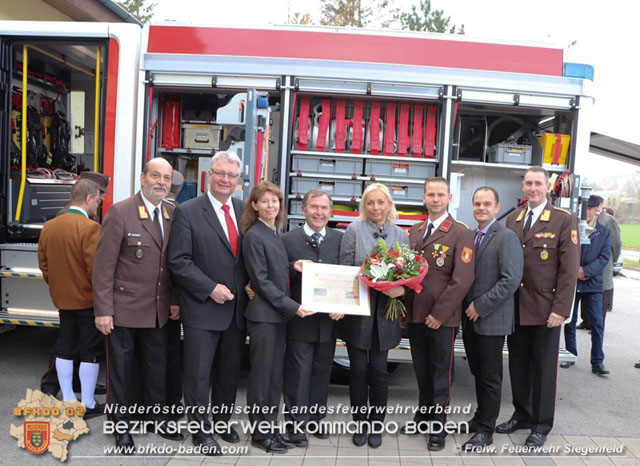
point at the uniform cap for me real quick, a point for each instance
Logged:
(177, 180)
(100, 179)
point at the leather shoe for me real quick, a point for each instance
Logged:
(97, 410)
(435, 442)
(269, 445)
(582, 326)
(567, 364)
(319, 429)
(535, 439)
(101, 389)
(408, 429)
(599, 369)
(125, 441)
(175, 436)
(209, 446)
(479, 440)
(299, 439)
(511, 426)
(230, 435)
(637, 365)
(360, 438)
(375, 440)
(284, 441)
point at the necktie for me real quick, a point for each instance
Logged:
(156, 221)
(317, 237)
(428, 233)
(479, 236)
(231, 230)
(527, 225)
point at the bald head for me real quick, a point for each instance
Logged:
(155, 180)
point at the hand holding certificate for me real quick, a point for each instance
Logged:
(334, 289)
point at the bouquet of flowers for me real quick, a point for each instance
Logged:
(387, 268)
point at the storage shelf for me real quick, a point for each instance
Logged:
(504, 166)
(389, 158)
(188, 151)
(339, 176)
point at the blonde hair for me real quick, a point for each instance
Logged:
(392, 215)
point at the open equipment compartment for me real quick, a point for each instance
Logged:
(494, 143)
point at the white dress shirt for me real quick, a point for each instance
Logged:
(151, 209)
(217, 208)
(310, 231)
(537, 211)
(436, 223)
(78, 209)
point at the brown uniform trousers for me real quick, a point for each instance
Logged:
(449, 253)
(551, 260)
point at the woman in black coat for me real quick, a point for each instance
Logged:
(370, 338)
(267, 264)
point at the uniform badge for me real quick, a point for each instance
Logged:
(546, 216)
(36, 436)
(142, 213)
(544, 254)
(439, 253)
(521, 215)
(165, 213)
(445, 226)
(574, 236)
(139, 252)
(467, 255)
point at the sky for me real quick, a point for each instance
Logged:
(603, 34)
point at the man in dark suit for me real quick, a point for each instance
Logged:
(132, 293)
(205, 259)
(549, 238)
(310, 341)
(488, 313)
(434, 313)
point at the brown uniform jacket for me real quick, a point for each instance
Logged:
(551, 259)
(130, 275)
(66, 252)
(446, 285)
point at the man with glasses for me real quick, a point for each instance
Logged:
(205, 260)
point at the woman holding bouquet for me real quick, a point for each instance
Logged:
(370, 338)
(267, 264)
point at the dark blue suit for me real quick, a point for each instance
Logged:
(593, 259)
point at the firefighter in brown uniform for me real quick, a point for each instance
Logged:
(434, 314)
(549, 238)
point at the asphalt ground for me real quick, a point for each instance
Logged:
(587, 405)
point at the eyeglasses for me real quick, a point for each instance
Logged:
(231, 176)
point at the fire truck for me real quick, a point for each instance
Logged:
(303, 107)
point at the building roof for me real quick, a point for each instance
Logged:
(107, 11)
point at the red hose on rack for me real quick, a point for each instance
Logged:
(564, 185)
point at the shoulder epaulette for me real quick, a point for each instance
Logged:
(463, 224)
(562, 210)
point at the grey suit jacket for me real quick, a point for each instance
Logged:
(499, 267)
(616, 246)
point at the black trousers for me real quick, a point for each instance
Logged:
(123, 343)
(174, 363)
(432, 355)
(533, 369)
(307, 371)
(484, 354)
(212, 364)
(266, 352)
(368, 381)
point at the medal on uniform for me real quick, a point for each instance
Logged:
(439, 261)
(436, 250)
(544, 254)
(440, 254)
(139, 252)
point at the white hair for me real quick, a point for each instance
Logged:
(227, 156)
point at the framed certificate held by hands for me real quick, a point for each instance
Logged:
(333, 288)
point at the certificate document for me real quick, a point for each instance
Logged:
(334, 289)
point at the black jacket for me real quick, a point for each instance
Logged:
(200, 257)
(319, 327)
(268, 267)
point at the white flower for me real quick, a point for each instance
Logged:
(380, 272)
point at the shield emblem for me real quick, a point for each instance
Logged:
(574, 236)
(467, 255)
(36, 436)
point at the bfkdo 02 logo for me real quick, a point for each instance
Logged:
(37, 436)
